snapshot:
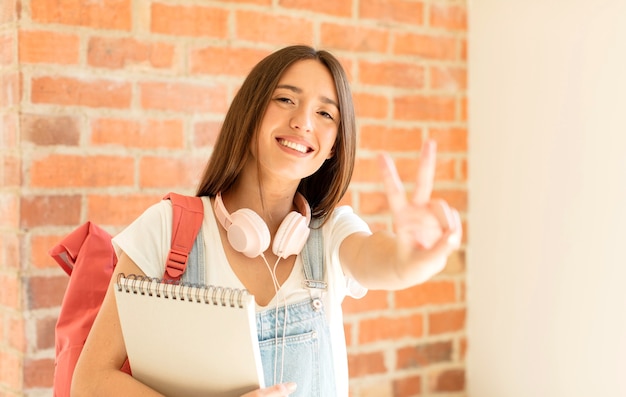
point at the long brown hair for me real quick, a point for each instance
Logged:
(325, 188)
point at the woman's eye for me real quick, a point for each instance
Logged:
(284, 100)
(326, 114)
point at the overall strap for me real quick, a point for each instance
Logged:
(195, 273)
(313, 259)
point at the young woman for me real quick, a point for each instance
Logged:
(289, 134)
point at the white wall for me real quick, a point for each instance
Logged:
(547, 217)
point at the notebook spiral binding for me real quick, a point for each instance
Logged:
(207, 294)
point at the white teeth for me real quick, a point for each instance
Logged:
(293, 145)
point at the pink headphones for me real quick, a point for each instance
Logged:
(247, 232)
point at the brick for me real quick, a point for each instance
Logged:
(446, 169)
(144, 133)
(118, 210)
(46, 130)
(445, 321)
(224, 60)
(448, 78)
(16, 336)
(378, 226)
(170, 172)
(329, 7)
(405, 11)
(367, 105)
(463, 169)
(195, 21)
(387, 138)
(10, 250)
(463, 109)
(391, 328)
(368, 170)
(10, 291)
(205, 133)
(50, 211)
(429, 293)
(46, 291)
(10, 171)
(91, 93)
(184, 97)
(425, 108)
(451, 380)
(373, 203)
(462, 348)
(453, 139)
(463, 49)
(40, 245)
(455, 263)
(8, 14)
(102, 14)
(450, 17)
(11, 370)
(57, 170)
(463, 292)
(456, 198)
(8, 132)
(408, 386)
(381, 388)
(364, 364)
(424, 355)
(354, 38)
(256, 2)
(347, 330)
(7, 49)
(395, 74)
(9, 210)
(373, 300)
(10, 93)
(426, 46)
(38, 373)
(117, 53)
(347, 199)
(48, 47)
(270, 28)
(45, 332)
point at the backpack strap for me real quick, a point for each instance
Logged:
(188, 214)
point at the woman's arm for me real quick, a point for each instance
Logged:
(97, 371)
(426, 232)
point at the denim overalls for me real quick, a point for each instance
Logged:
(303, 352)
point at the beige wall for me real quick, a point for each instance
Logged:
(546, 266)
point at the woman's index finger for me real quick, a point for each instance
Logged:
(425, 173)
(393, 185)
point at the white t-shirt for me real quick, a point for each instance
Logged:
(147, 242)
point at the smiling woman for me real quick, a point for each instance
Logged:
(272, 226)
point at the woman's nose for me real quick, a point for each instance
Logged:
(301, 120)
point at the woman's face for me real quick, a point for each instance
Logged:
(300, 125)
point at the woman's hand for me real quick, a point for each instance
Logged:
(281, 390)
(427, 230)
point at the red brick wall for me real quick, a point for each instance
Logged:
(121, 101)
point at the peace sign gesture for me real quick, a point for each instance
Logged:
(427, 230)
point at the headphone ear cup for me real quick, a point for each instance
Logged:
(248, 233)
(291, 235)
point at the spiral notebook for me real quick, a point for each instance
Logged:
(185, 340)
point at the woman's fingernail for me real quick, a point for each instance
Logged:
(454, 239)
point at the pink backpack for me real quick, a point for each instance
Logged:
(88, 257)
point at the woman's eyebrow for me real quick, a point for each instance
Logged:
(298, 90)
